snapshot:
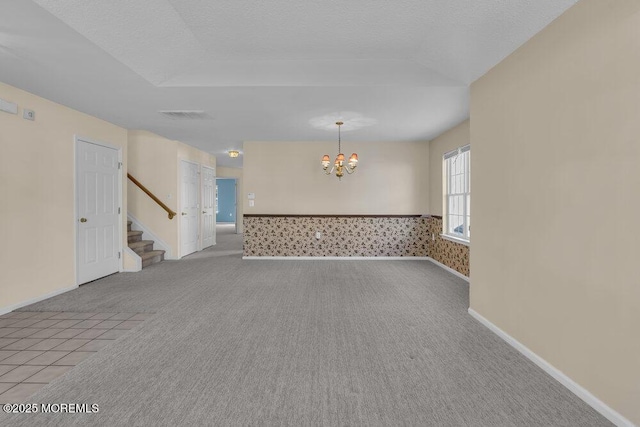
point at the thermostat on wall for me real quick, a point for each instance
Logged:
(251, 196)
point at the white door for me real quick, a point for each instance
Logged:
(208, 179)
(189, 207)
(98, 220)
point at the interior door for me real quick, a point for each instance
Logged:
(98, 219)
(208, 185)
(189, 207)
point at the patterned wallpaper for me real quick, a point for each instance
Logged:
(453, 255)
(341, 236)
(346, 236)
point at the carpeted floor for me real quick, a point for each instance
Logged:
(333, 343)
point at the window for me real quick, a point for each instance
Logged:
(457, 185)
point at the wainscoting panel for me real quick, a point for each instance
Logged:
(343, 236)
(352, 236)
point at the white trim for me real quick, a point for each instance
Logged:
(608, 412)
(339, 258)
(134, 256)
(215, 237)
(455, 239)
(449, 269)
(147, 234)
(10, 308)
(77, 138)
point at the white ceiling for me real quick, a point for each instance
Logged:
(265, 70)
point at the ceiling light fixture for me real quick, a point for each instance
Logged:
(233, 153)
(339, 165)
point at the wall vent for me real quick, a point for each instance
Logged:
(185, 114)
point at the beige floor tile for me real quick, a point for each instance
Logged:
(24, 333)
(6, 353)
(46, 333)
(71, 344)
(83, 316)
(113, 334)
(21, 357)
(86, 324)
(24, 314)
(7, 341)
(47, 358)
(20, 374)
(107, 324)
(23, 344)
(64, 315)
(6, 368)
(90, 334)
(95, 345)
(45, 323)
(48, 374)
(5, 323)
(45, 315)
(48, 344)
(103, 316)
(6, 386)
(74, 358)
(20, 392)
(8, 331)
(64, 324)
(25, 323)
(68, 333)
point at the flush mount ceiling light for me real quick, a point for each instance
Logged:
(233, 153)
(338, 165)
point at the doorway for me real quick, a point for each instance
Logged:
(98, 232)
(226, 206)
(189, 207)
(208, 185)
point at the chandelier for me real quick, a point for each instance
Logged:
(339, 166)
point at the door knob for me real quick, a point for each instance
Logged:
(204, 212)
(83, 219)
(184, 213)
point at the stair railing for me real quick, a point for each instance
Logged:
(150, 194)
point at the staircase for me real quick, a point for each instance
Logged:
(144, 248)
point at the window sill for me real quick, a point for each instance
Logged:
(456, 239)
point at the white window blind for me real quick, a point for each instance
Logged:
(457, 209)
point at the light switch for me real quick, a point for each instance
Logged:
(251, 203)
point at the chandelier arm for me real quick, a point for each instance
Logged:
(349, 170)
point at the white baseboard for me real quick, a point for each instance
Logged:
(10, 308)
(134, 256)
(608, 412)
(339, 258)
(449, 269)
(147, 234)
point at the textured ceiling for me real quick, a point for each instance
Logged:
(264, 70)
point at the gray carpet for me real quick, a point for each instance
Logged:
(299, 343)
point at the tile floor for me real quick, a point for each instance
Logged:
(38, 347)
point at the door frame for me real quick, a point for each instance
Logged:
(179, 195)
(235, 206)
(76, 140)
(200, 240)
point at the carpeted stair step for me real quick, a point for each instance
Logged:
(142, 246)
(134, 236)
(152, 257)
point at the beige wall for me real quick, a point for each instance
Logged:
(155, 162)
(555, 131)
(456, 137)
(37, 193)
(287, 178)
(225, 172)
